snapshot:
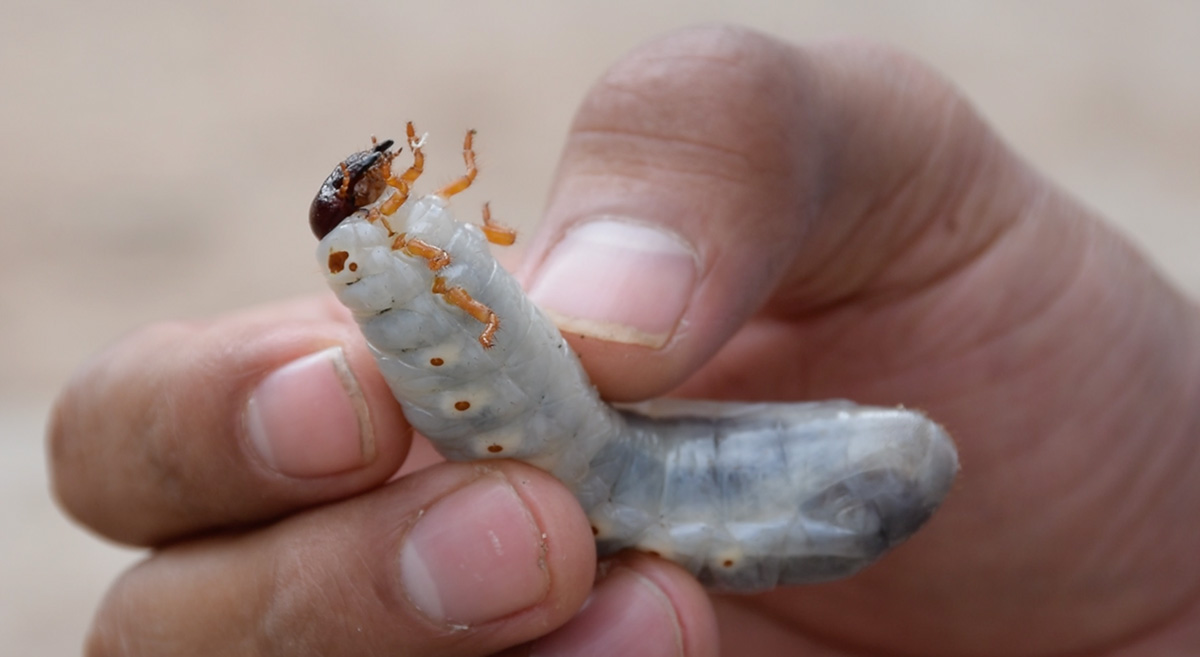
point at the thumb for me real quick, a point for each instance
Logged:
(717, 170)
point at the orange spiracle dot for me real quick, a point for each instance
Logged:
(495, 449)
(462, 405)
(436, 362)
(337, 260)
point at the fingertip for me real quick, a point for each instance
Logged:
(503, 549)
(569, 552)
(315, 418)
(671, 215)
(638, 278)
(619, 288)
(188, 426)
(491, 555)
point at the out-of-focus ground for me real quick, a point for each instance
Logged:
(157, 161)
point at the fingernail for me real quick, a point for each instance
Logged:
(309, 418)
(474, 556)
(627, 614)
(619, 280)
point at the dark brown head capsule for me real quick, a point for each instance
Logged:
(355, 182)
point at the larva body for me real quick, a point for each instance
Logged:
(745, 496)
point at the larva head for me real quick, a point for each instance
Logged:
(355, 182)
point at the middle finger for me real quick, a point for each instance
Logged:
(456, 560)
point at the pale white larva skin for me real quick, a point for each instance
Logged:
(745, 496)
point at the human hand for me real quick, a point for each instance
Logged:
(860, 234)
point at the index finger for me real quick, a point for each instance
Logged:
(184, 427)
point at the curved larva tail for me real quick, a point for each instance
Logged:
(752, 496)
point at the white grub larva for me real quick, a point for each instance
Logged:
(745, 496)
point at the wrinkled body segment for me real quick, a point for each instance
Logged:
(745, 496)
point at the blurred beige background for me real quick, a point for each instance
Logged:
(157, 160)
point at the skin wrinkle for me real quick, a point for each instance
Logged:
(937, 289)
(630, 182)
(1113, 554)
(949, 204)
(1113, 460)
(276, 626)
(1028, 322)
(654, 117)
(945, 213)
(1147, 638)
(649, 107)
(610, 137)
(1083, 488)
(836, 336)
(1144, 482)
(1030, 317)
(306, 594)
(626, 184)
(970, 257)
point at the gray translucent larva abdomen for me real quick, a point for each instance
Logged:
(745, 496)
(748, 496)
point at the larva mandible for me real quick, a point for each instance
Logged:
(745, 496)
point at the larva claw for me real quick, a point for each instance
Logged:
(467, 178)
(496, 233)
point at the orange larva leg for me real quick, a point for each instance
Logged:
(496, 233)
(418, 166)
(375, 214)
(466, 180)
(404, 182)
(456, 296)
(436, 257)
(394, 201)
